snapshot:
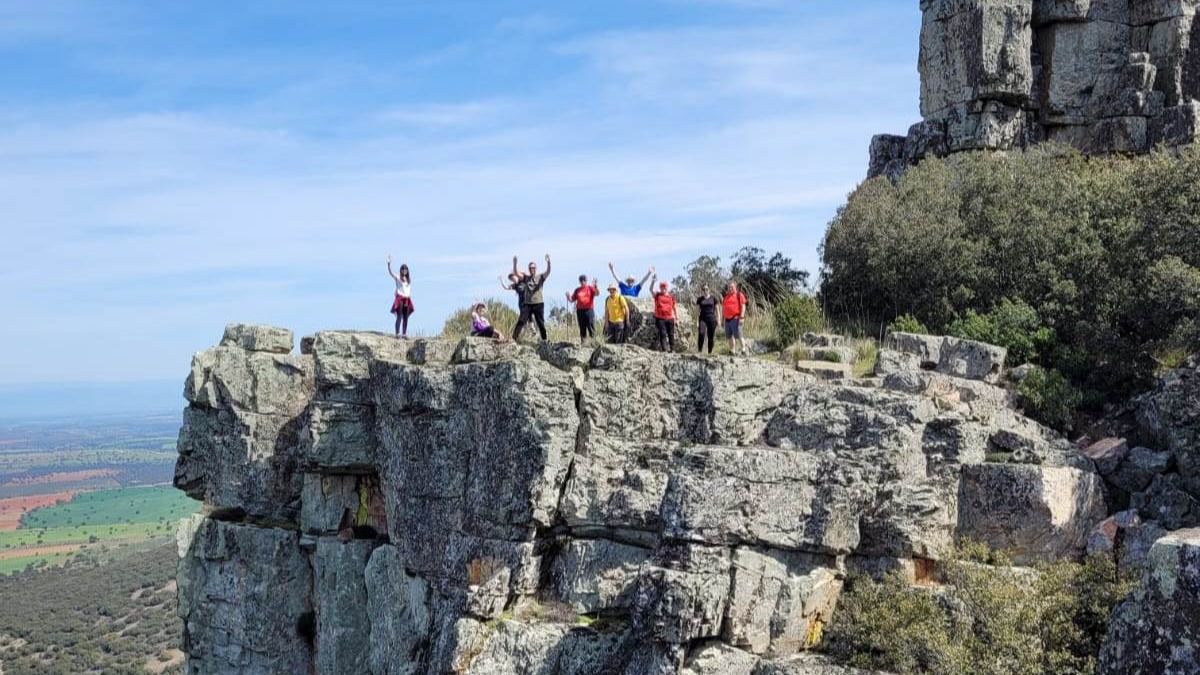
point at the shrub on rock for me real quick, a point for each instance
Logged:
(796, 315)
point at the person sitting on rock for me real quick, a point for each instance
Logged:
(533, 306)
(707, 303)
(481, 326)
(402, 304)
(733, 309)
(616, 316)
(630, 288)
(664, 317)
(584, 299)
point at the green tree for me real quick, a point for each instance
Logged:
(1102, 251)
(770, 280)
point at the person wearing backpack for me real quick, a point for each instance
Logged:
(733, 309)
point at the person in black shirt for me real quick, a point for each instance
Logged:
(707, 302)
(533, 305)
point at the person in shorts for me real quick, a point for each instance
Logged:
(733, 309)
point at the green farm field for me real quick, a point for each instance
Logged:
(93, 521)
(103, 507)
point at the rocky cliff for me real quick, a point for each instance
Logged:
(385, 506)
(1106, 76)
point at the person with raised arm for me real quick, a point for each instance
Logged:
(515, 285)
(533, 305)
(481, 326)
(402, 304)
(584, 299)
(664, 316)
(630, 287)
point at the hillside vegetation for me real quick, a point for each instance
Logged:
(1087, 266)
(97, 614)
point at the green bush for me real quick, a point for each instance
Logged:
(796, 315)
(907, 323)
(1103, 250)
(986, 620)
(502, 316)
(1013, 325)
(1050, 398)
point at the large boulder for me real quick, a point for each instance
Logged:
(643, 330)
(1156, 630)
(1104, 76)
(966, 359)
(975, 50)
(1033, 513)
(240, 446)
(1169, 416)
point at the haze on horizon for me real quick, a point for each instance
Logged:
(167, 170)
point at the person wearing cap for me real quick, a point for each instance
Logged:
(584, 299)
(630, 287)
(733, 308)
(616, 316)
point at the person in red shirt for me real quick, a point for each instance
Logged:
(733, 308)
(584, 298)
(664, 318)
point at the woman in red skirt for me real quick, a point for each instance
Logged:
(402, 305)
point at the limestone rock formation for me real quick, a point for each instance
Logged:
(1106, 76)
(385, 506)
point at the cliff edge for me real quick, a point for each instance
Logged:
(386, 506)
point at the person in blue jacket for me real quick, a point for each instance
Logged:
(628, 287)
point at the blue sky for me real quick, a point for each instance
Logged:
(166, 168)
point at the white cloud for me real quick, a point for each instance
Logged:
(154, 228)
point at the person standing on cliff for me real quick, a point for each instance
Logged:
(630, 288)
(515, 284)
(533, 305)
(733, 308)
(402, 304)
(584, 299)
(664, 317)
(707, 302)
(616, 316)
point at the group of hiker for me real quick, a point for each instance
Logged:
(528, 285)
